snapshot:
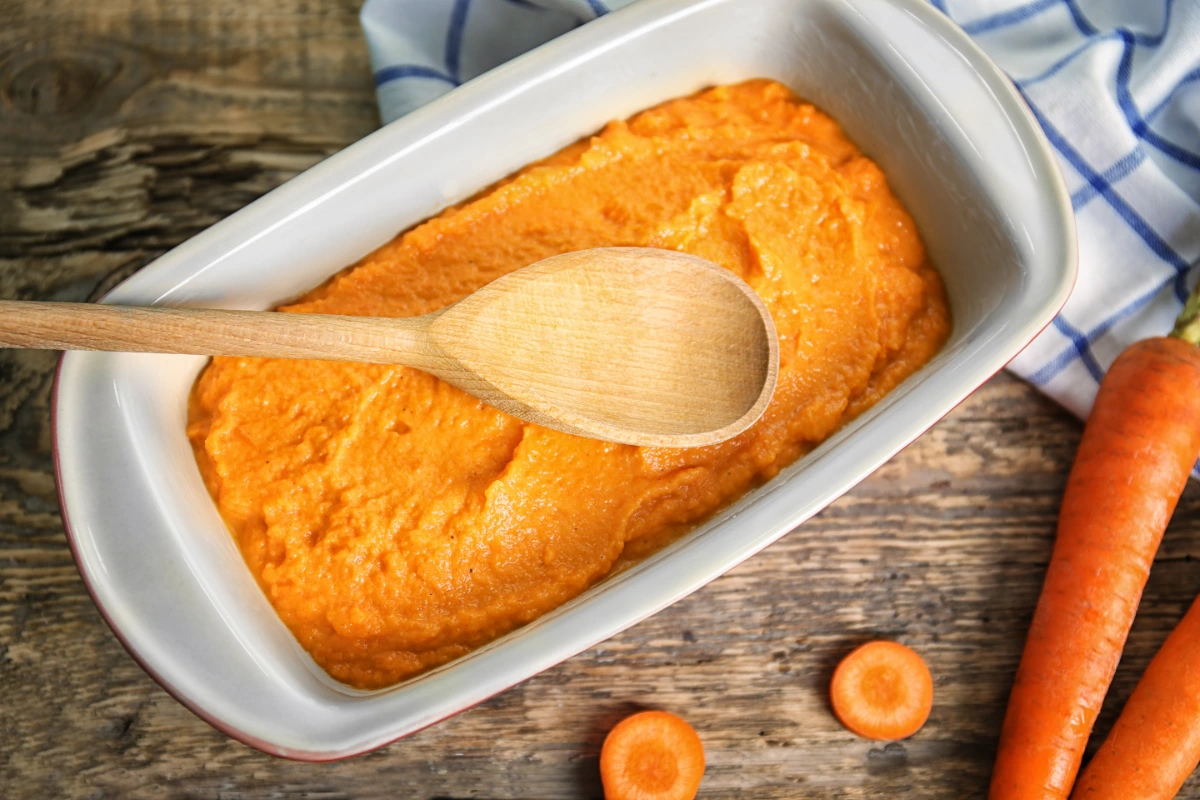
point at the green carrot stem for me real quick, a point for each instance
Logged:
(1187, 324)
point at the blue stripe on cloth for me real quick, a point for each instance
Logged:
(1057, 66)
(598, 8)
(454, 37)
(1081, 197)
(399, 71)
(1060, 362)
(1143, 39)
(940, 5)
(1081, 22)
(1140, 127)
(1135, 221)
(1155, 39)
(1010, 17)
(526, 4)
(1181, 290)
(1165, 146)
(1081, 346)
(1191, 77)
(1139, 124)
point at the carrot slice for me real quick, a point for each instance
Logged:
(882, 690)
(652, 755)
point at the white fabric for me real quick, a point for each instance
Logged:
(1114, 83)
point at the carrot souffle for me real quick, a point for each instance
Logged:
(395, 523)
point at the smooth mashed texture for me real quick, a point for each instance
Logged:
(395, 523)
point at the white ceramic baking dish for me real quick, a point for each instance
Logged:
(909, 87)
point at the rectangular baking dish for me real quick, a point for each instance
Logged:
(947, 127)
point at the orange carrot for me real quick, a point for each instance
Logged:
(652, 755)
(1155, 743)
(1138, 447)
(882, 690)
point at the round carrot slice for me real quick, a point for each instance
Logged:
(882, 690)
(652, 755)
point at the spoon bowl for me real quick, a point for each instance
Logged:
(626, 344)
(632, 345)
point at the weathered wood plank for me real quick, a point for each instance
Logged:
(952, 569)
(127, 126)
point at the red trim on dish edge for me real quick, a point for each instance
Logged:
(235, 733)
(304, 755)
(167, 686)
(308, 756)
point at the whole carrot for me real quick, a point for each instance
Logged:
(1140, 443)
(1155, 743)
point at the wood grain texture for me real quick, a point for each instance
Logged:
(126, 127)
(627, 344)
(212, 332)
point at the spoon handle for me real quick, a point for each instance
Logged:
(211, 332)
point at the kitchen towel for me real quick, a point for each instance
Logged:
(1115, 84)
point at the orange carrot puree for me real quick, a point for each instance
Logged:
(396, 523)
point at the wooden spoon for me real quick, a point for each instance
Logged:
(626, 344)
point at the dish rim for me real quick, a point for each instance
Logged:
(928, 16)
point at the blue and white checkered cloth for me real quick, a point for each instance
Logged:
(1115, 85)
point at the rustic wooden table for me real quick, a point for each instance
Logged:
(127, 126)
